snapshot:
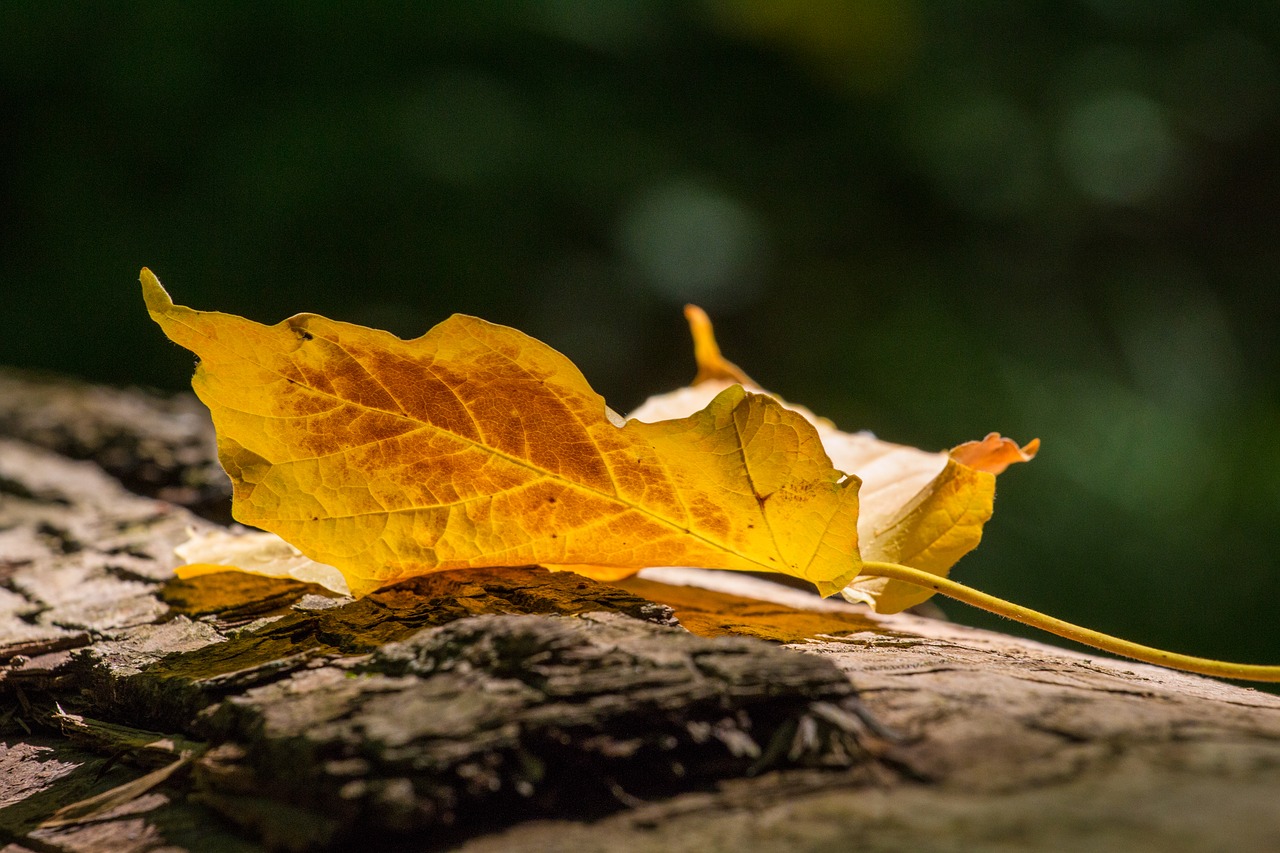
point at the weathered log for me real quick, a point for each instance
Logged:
(153, 445)
(306, 719)
(519, 709)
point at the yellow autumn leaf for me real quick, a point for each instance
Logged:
(476, 445)
(920, 509)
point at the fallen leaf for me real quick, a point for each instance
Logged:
(921, 509)
(476, 445)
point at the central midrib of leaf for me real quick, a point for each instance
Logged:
(751, 481)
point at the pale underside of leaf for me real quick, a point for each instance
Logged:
(256, 552)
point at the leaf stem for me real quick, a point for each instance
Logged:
(1105, 642)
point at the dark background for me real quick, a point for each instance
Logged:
(929, 219)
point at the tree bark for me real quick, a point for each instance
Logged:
(519, 709)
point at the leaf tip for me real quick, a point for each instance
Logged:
(711, 364)
(157, 298)
(994, 453)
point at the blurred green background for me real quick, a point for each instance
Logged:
(927, 219)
